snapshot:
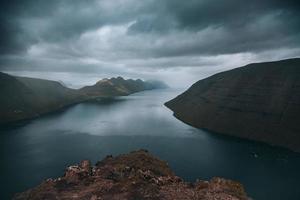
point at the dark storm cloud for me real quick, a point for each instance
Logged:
(237, 25)
(232, 13)
(119, 36)
(14, 39)
(240, 26)
(24, 23)
(196, 14)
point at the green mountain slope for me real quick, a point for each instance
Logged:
(25, 98)
(259, 101)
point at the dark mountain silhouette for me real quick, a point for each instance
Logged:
(25, 98)
(120, 87)
(260, 101)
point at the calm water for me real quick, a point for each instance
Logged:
(42, 148)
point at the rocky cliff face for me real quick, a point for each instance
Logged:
(137, 175)
(258, 101)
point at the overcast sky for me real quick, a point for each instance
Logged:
(174, 40)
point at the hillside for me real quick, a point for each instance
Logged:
(260, 101)
(119, 87)
(24, 98)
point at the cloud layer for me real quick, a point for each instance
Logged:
(149, 39)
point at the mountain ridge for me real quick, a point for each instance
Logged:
(259, 101)
(25, 98)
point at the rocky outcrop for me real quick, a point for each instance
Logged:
(24, 98)
(259, 101)
(137, 175)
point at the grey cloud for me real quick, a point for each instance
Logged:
(231, 13)
(148, 37)
(246, 26)
(24, 23)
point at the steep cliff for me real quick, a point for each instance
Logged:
(260, 101)
(137, 175)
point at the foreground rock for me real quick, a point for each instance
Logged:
(259, 101)
(24, 98)
(137, 175)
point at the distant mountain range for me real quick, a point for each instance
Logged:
(25, 98)
(260, 101)
(120, 87)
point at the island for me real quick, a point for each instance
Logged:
(26, 98)
(260, 101)
(137, 175)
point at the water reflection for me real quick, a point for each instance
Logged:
(41, 148)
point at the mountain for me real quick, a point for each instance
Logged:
(259, 101)
(120, 87)
(24, 98)
(137, 175)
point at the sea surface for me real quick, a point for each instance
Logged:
(38, 149)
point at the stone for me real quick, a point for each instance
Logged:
(152, 179)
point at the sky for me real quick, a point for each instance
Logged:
(79, 42)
